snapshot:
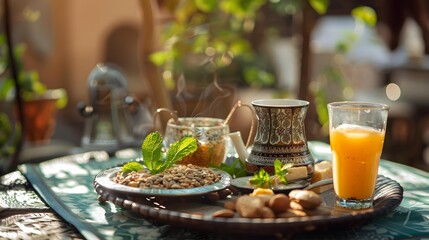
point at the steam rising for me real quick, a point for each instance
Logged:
(215, 100)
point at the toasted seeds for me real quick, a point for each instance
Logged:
(177, 177)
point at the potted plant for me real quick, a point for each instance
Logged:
(208, 40)
(39, 103)
(205, 54)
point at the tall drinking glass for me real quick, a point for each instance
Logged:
(356, 132)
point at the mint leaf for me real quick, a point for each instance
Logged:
(280, 170)
(232, 169)
(287, 166)
(132, 166)
(261, 179)
(277, 166)
(151, 151)
(180, 149)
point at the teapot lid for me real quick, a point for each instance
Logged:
(107, 77)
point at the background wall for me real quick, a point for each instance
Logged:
(79, 41)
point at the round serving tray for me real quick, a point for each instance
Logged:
(197, 214)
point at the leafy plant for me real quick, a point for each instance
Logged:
(235, 169)
(280, 170)
(211, 35)
(263, 179)
(331, 84)
(8, 136)
(152, 153)
(131, 167)
(28, 80)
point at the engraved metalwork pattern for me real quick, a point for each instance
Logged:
(280, 135)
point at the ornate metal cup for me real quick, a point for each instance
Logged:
(280, 135)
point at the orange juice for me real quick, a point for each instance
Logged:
(356, 153)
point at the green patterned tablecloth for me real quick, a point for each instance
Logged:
(66, 185)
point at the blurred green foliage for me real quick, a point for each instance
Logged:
(9, 137)
(331, 84)
(29, 80)
(211, 36)
(320, 6)
(366, 15)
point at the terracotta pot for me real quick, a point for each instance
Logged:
(39, 119)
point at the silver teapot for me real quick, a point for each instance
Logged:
(114, 119)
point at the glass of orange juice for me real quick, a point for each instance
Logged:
(356, 131)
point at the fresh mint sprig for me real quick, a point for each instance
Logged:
(179, 150)
(152, 153)
(262, 179)
(232, 169)
(131, 167)
(280, 170)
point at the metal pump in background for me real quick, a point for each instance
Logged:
(114, 119)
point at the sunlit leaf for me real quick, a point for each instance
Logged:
(200, 43)
(240, 46)
(179, 150)
(184, 11)
(151, 151)
(366, 15)
(7, 89)
(19, 50)
(258, 77)
(261, 179)
(321, 107)
(320, 6)
(206, 5)
(36, 86)
(289, 7)
(61, 96)
(232, 169)
(199, 19)
(132, 167)
(159, 58)
(219, 46)
(241, 8)
(280, 170)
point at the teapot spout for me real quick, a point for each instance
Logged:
(239, 145)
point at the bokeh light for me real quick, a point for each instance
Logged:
(393, 91)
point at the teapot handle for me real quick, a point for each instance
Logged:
(172, 113)
(252, 127)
